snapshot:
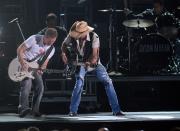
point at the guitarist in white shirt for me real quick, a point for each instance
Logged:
(83, 41)
(34, 49)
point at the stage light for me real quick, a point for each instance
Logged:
(156, 117)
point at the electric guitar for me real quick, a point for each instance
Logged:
(16, 73)
(72, 67)
(75, 60)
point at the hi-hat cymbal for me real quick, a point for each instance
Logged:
(138, 23)
(110, 10)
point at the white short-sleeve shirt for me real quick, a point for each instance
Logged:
(36, 47)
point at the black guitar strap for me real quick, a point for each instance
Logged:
(38, 56)
(43, 59)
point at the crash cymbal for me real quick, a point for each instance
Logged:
(138, 23)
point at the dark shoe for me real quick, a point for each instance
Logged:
(72, 114)
(24, 113)
(36, 114)
(118, 114)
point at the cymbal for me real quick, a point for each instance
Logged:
(178, 7)
(138, 23)
(110, 10)
(2, 42)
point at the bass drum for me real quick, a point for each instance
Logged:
(153, 53)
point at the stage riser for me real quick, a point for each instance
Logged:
(144, 95)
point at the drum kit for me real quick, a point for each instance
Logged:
(138, 23)
(151, 52)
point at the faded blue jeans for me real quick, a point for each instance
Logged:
(38, 89)
(102, 76)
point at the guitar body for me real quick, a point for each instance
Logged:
(75, 60)
(16, 74)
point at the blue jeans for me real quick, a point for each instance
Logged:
(102, 76)
(25, 90)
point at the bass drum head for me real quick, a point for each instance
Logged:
(153, 53)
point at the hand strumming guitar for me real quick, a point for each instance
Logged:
(24, 65)
(64, 58)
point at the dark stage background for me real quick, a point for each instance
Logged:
(134, 95)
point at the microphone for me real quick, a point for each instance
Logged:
(13, 20)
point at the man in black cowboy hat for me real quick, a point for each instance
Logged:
(85, 43)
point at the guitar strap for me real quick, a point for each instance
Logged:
(43, 59)
(38, 56)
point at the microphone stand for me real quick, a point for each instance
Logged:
(19, 27)
(111, 64)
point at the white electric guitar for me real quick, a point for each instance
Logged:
(16, 74)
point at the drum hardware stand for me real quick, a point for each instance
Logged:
(121, 60)
(129, 49)
(111, 12)
(111, 65)
(111, 30)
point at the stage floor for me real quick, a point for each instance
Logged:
(146, 121)
(95, 117)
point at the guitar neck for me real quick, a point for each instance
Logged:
(53, 71)
(47, 70)
(80, 64)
